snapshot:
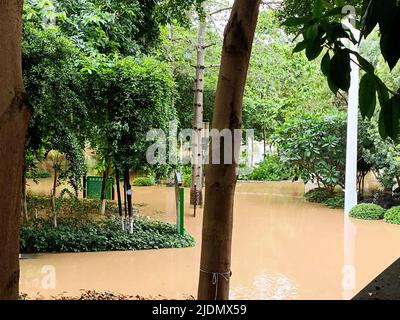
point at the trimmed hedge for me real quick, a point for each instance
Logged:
(144, 181)
(318, 195)
(75, 235)
(367, 211)
(393, 215)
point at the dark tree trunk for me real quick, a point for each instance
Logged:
(221, 178)
(54, 190)
(14, 117)
(129, 198)
(117, 179)
(103, 197)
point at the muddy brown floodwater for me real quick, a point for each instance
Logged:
(283, 248)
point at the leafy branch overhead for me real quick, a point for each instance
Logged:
(323, 34)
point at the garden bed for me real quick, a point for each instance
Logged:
(80, 228)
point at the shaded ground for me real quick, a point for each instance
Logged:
(384, 287)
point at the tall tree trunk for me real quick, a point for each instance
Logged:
(103, 197)
(119, 201)
(14, 117)
(54, 190)
(221, 178)
(196, 186)
(129, 198)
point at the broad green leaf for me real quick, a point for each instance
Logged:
(300, 46)
(340, 69)
(367, 96)
(389, 118)
(318, 8)
(314, 49)
(325, 64)
(370, 19)
(295, 22)
(365, 64)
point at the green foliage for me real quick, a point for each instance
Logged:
(128, 27)
(393, 215)
(280, 84)
(138, 95)
(335, 202)
(74, 235)
(54, 86)
(383, 157)
(68, 206)
(144, 181)
(37, 174)
(318, 195)
(323, 29)
(314, 147)
(367, 211)
(271, 169)
(186, 175)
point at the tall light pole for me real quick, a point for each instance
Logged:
(352, 125)
(350, 230)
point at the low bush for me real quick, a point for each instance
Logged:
(271, 169)
(186, 175)
(75, 235)
(75, 207)
(393, 215)
(336, 202)
(37, 174)
(367, 211)
(144, 181)
(318, 195)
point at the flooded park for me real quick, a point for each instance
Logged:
(199, 150)
(283, 248)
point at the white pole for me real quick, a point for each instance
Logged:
(350, 230)
(352, 131)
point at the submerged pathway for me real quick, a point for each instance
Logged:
(283, 248)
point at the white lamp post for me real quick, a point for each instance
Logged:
(352, 129)
(350, 230)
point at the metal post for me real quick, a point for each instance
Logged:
(195, 202)
(352, 131)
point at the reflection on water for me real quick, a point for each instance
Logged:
(266, 287)
(283, 248)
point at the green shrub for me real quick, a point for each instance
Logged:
(37, 174)
(271, 169)
(69, 206)
(318, 195)
(393, 215)
(75, 235)
(187, 175)
(336, 202)
(367, 211)
(144, 181)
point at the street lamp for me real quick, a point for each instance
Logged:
(352, 125)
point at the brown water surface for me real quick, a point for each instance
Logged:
(283, 248)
